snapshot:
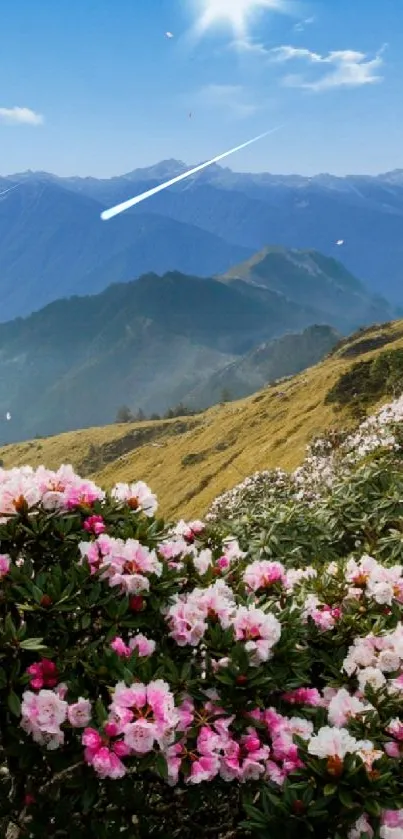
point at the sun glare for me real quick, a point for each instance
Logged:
(234, 13)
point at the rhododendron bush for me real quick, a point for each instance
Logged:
(242, 677)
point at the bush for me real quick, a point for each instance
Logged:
(232, 679)
(367, 381)
(124, 414)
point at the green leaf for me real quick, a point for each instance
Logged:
(3, 678)
(330, 789)
(346, 799)
(161, 766)
(14, 704)
(33, 644)
(372, 807)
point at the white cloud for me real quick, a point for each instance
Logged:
(302, 24)
(20, 116)
(252, 48)
(339, 68)
(233, 98)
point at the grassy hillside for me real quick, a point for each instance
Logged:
(188, 462)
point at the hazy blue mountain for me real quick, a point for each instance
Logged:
(256, 210)
(270, 361)
(153, 342)
(309, 276)
(53, 243)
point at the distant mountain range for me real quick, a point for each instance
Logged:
(53, 243)
(157, 341)
(276, 359)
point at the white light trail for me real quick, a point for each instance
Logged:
(120, 208)
(9, 189)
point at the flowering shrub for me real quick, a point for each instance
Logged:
(239, 678)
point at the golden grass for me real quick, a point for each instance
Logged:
(190, 461)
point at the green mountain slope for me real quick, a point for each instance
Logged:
(326, 283)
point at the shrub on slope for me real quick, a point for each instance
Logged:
(238, 678)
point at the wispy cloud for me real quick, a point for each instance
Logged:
(302, 24)
(339, 68)
(20, 116)
(235, 99)
(249, 47)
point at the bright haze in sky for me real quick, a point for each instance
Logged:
(101, 88)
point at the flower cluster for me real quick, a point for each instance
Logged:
(262, 649)
(327, 458)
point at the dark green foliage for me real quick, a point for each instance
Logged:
(368, 344)
(193, 457)
(367, 381)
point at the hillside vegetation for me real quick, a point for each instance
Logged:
(190, 461)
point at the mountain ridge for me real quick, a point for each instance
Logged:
(56, 244)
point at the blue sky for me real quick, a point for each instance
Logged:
(102, 90)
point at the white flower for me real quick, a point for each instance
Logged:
(202, 561)
(361, 827)
(388, 661)
(332, 742)
(138, 496)
(343, 706)
(371, 676)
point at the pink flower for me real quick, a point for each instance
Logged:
(42, 715)
(275, 773)
(81, 493)
(189, 530)
(173, 757)
(145, 715)
(263, 574)
(260, 630)
(107, 764)
(204, 768)
(126, 564)
(139, 736)
(142, 645)
(92, 739)
(120, 748)
(120, 648)
(186, 714)
(43, 673)
(392, 749)
(303, 696)
(137, 496)
(343, 707)
(395, 728)
(223, 563)
(5, 563)
(392, 818)
(94, 524)
(79, 714)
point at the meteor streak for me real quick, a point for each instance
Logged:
(120, 208)
(9, 189)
